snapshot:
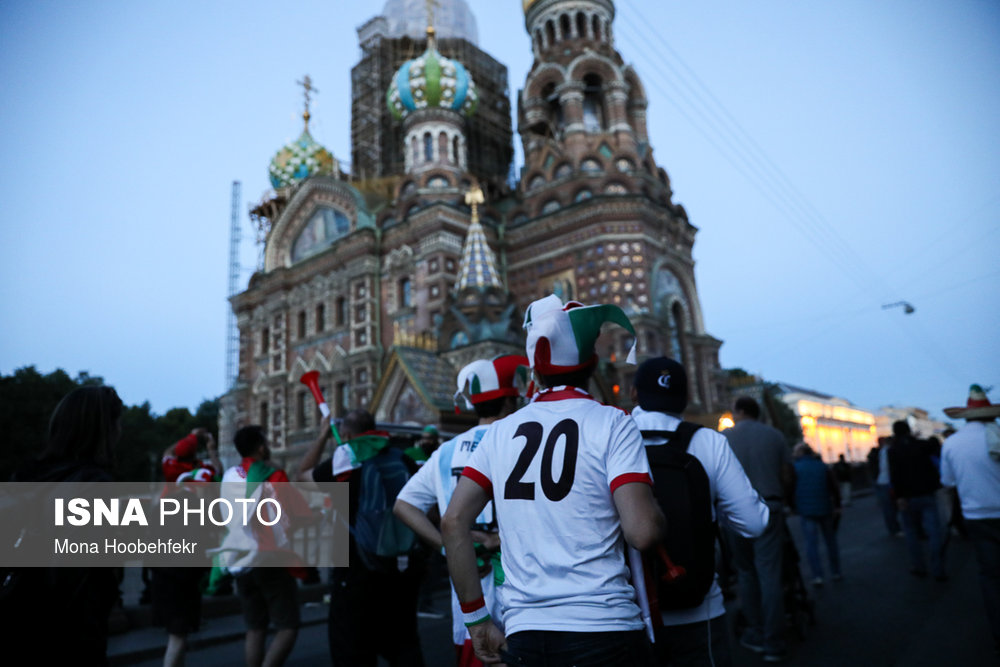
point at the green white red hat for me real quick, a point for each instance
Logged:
(485, 380)
(561, 337)
(976, 407)
(196, 475)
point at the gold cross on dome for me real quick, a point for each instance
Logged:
(308, 88)
(474, 197)
(431, 4)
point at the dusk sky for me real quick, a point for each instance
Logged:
(835, 156)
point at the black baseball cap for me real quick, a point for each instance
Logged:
(662, 385)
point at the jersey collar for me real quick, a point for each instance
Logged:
(561, 393)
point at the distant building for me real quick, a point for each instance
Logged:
(831, 426)
(389, 278)
(920, 422)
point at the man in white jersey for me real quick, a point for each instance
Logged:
(489, 388)
(570, 484)
(697, 635)
(970, 461)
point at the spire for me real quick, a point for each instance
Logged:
(478, 266)
(307, 86)
(431, 33)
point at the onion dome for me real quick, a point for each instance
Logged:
(432, 81)
(299, 160)
(303, 157)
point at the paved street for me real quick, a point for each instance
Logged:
(879, 615)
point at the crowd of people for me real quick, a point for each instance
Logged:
(575, 533)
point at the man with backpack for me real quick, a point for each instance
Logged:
(489, 388)
(379, 589)
(697, 481)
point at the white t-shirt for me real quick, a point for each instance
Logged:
(734, 502)
(966, 464)
(433, 484)
(551, 468)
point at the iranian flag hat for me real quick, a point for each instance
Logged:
(561, 337)
(977, 406)
(485, 380)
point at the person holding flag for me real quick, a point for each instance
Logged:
(570, 485)
(490, 389)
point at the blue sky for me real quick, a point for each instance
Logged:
(835, 157)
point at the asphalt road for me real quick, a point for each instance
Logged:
(878, 615)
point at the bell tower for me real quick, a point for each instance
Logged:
(596, 221)
(580, 94)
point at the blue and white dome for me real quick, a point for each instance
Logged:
(432, 81)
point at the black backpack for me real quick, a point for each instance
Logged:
(680, 570)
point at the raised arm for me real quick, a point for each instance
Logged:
(213, 453)
(304, 472)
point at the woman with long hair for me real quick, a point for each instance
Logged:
(59, 615)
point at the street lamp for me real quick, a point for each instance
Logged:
(907, 307)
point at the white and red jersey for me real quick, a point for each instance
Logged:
(433, 484)
(551, 469)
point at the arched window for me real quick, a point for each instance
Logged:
(405, 293)
(596, 27)
(414, 151)
(442, 147)
(593, 104)
(320, 318)
(564, 26)
(455, 149)
(550, 32)
(428, 147)
(677, 332)
(554, 107)
(341, 311)
(581, 25)
(538, 39)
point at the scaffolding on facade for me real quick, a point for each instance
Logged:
(377, 138)
(232, 333)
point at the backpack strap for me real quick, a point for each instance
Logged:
(679, 439)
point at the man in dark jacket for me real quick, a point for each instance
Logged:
(914, 479)
(817, 501)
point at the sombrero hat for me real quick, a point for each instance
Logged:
(978, 406)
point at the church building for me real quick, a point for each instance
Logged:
(390, 278)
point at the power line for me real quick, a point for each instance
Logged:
(762, 173)
(759, 169)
